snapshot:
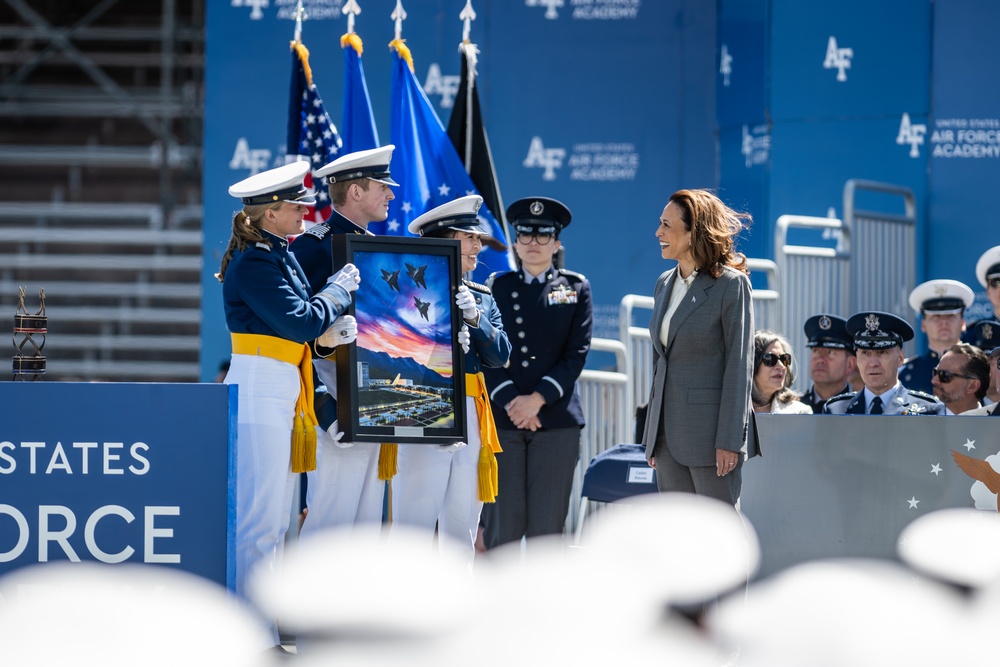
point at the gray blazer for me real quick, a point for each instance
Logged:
(701, 379)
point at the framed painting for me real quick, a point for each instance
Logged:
(404, 377)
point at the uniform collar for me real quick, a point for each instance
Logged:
(545, 276)
(343, 224)
(276, 240)
(886, 397)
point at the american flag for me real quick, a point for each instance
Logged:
(311, 134)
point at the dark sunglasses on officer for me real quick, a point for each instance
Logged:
(770, 359)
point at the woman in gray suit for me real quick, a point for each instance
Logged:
(702, 331)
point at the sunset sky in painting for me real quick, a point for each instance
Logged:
(388, 321)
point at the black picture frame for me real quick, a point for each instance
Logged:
(404, 377)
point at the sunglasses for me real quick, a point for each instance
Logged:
(541, 239)
(993, 282)
(948, 376)
(770, 359)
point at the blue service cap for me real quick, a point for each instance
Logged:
(988, 266)
(828, 331)
(542, 215)
(984, 334)
(460, 214)
(284, 183)
(372, 163)
(943, 297)
(874, 330)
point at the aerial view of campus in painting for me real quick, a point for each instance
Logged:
(405, 364)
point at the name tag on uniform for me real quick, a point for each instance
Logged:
(562, 295)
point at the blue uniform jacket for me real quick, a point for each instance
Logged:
(915, 372)
(315, 252)
(264, 292)
(814, 401)
(905, 402)
(488, 344)
(550, 324)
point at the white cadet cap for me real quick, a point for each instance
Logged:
(988, 265)
(284, 183)
(460, 214)
(372, 163)
(942, 297)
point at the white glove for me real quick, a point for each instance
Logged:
(454, 447)
(348, 277)
(343, 331)
(464, 338)
(337, 434)
(467, 303)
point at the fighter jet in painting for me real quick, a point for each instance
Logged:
(417, 273)
(422, 306)
(391, 277)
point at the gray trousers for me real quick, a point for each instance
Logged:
(700, 480)
(535, 474)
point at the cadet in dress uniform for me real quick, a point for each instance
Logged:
(273, 316)
(940, 304)
(345, 488)
(985, 334)
(878, 340)
(548, 313)
(988, 273)
(447, 485)
(831, 359)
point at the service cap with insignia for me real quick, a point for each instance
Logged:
(372, 163)
(460, 214)
(984, 334)
(941, 297)
(538, 215)
(874, 330)
(828, 331)
(988, 266)
(284, 183)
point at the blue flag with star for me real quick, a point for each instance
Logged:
(426, 165)
(357, 124)
(311, 134)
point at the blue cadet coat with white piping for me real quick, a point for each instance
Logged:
(827, 331)
(550, 324)
(938, 297)
(874, 330)
(272, 315)
(443, 487)
(313, 248)
(984, 334)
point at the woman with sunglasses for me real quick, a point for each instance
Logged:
(773, 375)
(699, 423)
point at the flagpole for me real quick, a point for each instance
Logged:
(299, 16)
(468, 15)
(351, 9)
(398, 15)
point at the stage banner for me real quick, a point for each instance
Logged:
(118, 473)
(832, 486)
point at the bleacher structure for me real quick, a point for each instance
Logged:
(102, 208)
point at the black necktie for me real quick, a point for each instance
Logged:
(876, 406)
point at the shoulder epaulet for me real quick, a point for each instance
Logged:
(318, 231)
(924, 395)
(909, 361)
(477, 287)
(841, 397)
(263, 246)
(493, 276)
(572, 274)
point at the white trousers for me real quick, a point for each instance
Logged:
(344, 490)
(434, 486)
(268, 390)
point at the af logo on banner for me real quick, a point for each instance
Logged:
(551, 7)
(254, 159)
(725, 65)
(548, 159)
(606, 10)
(838, 58)
(912, 134)
(314, 9)
(445, 85)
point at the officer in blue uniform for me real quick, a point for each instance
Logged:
(831, 359)
(940, 304)
(273, 316)
(548, 313)
(445, 486)
(985, 334)
(345, 489)
(878, 341)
